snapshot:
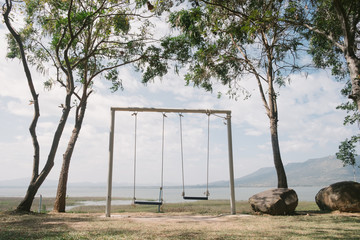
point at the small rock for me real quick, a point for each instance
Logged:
(278, 201)
(341, 196)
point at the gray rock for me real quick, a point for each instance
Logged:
(341, 196)
(278, 201)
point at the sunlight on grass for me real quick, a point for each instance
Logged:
(193, 220)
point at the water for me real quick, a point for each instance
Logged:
(173, 195)
(170, 194)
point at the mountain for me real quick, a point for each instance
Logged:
(313, 172)
(21, 182)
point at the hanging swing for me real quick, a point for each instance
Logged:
(207, 163)
(160, 201)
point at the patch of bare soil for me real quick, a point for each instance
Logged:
(155, 217)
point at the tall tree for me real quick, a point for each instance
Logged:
(227, 40)
(333, 28)
(18, 49)
(84, 41)
(334, 34)
(90, 38)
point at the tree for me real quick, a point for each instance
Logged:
(227, 40)
(18, 49)
(347, 153)
(333, 29)
(347, 148)
(84, 41)
(334, 33)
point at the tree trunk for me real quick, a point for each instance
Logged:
(349, 26)
(354, 69)
(273, 116)
(280, 171)
(60, 200)
(36, 181)
(26, 203)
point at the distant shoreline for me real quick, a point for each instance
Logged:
(311, 173)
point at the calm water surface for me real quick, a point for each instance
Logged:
(170, 194)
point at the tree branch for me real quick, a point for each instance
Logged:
(344, 20)
(263, 98)
(320, 32)
(115, 66)
(226, 8)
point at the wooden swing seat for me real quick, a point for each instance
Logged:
(148, 203)
(195, 198)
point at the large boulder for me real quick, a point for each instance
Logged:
(341, 196)
(278, 201)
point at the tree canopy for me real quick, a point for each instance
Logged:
(333, 30)
(228, 40)
(84, 41)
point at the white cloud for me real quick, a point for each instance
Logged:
(253, 132)
(296, 145)
(265, 146)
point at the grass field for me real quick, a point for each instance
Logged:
(196, 220)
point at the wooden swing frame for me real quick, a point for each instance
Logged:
(171, 110)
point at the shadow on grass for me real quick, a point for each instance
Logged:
(311, 212)
(31, 226)
(19, 226)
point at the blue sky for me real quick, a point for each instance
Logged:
(309, 127)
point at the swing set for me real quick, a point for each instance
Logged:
(159, 202)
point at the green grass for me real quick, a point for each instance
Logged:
(176, 221)
(10, 203)
(196, 207)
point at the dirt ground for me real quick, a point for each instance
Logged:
(222, 222)
(185, 225)
(182, 218)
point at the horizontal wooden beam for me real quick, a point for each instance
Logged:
(171, 110)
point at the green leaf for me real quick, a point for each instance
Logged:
(347, 151)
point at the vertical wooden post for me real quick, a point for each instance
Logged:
(111, 154)
(40, 204)
(231, 165)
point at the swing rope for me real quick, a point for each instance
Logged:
(208, 156)
(182, 155)
(162, 158)
(207, 161)
(159, 202)
(135, 116)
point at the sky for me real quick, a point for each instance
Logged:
(309, 127)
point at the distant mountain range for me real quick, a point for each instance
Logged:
(314, 172)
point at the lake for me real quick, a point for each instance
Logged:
(170, 194)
